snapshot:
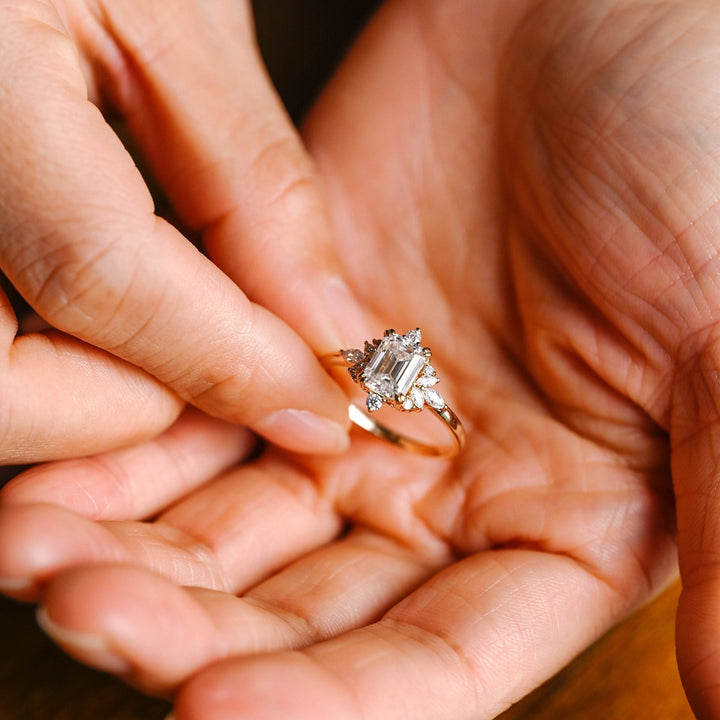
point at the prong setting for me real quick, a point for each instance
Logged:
(395, 371)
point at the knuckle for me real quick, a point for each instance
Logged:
(222, 391)
(95, 286)
(155, 32)
(283, 174)
(21, 439)
(149, 31)
(240, 381)
(75, 285)
(11, 450)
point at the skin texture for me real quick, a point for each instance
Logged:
(535, 184)
(80, 240)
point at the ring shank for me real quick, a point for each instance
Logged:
(364, 421)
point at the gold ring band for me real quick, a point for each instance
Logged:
(396, 371)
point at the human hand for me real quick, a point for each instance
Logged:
(533, 184)
(79, 238)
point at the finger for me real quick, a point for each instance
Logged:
(695, 435)
(470, 642)
(139, 481)
(216, 134)
(228, 535)
(63, 398)
(79, 239)
(107, 616)
(37, 541)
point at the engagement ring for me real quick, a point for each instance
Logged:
(395, 371)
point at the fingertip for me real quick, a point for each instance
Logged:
(276, 686)
(208, 696)
(99, 402)
(57, 482)
(90, 648)
(38, 541)
(305, 432)
(19, 588)
(131, 622)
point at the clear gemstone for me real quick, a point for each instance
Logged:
(418, 398)
(374, 402)
(382, 385)
(393, 368)
(414, 337)
(352, 356)
(429, 371)
(408, 404)
(434, 398)
(427, 381)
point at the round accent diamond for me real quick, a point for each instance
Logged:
(414, 337)
(373, 402)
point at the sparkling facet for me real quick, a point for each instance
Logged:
(408, 404)
(418, 398)
(382, 385)
(374, 402)
(393, 368)
(414, 337)
(427, 381)
(434, 398)
(352, 356)
(429, 371)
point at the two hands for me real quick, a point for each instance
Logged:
(532, 182)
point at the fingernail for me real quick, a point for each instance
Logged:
(14, 584)
(89, 648)
(19, 588)
(304, 431)
(343, 308)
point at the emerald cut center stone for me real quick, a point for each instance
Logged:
(393, 368)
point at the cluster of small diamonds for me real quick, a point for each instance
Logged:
(418, 387)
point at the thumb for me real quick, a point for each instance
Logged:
(695, 441)
(79, 239)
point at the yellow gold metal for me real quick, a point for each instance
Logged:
(362, 420)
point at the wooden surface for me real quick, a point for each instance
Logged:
(629, 675)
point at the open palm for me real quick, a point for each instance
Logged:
(534, 184)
